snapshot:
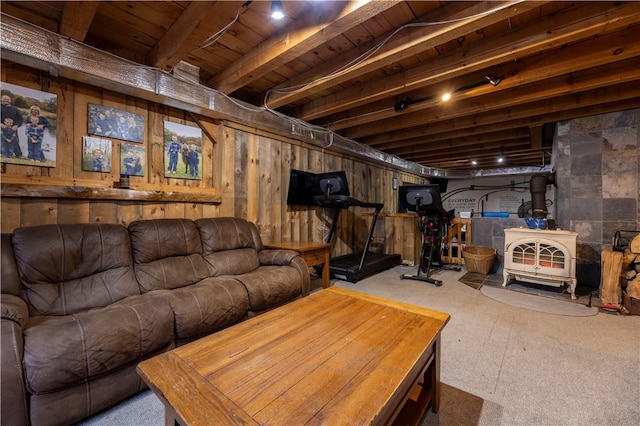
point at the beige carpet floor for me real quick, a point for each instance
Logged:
(501, 364)
(538, 303)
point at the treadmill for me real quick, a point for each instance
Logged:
(358, 265)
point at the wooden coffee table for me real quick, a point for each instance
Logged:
(336, 357)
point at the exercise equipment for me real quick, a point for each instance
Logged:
(426, 201)
(331, 190)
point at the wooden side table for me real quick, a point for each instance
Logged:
(311, 252)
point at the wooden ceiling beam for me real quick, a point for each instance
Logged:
(289, 45)
(551, 117)
(77, 17)
(456, 143)
(199, 20)
(550, 33)
(541, 159)
(599, 52)
(503, 127)
(307, 80)
(479, 151)
(410, 42)
(533, 110)
(535, 133)
(487, 148)
(514, 157)
(517, 96)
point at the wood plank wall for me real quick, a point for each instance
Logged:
(247, 167)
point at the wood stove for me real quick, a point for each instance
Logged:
(540, 256)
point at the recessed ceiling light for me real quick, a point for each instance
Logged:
(446, 97)
(277, 11)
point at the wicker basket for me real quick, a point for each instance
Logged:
(479, 258)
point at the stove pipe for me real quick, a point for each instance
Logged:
(538, 187)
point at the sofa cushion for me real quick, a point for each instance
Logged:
(69, 268)
(229, 245)
(167, 253)
(232, 262)
(61, 351)
(206, 307)
(271, 286)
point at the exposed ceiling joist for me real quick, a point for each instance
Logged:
(76, 19)
(306, 35)
(370, 73)
(409, 42)
(190, 31)
(486, 54)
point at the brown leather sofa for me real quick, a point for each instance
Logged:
(83, 304)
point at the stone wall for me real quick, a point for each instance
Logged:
(598, 188)
(597, 166)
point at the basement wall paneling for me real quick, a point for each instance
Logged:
(245, 168)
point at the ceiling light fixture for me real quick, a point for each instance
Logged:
(404, 104)
(277, 11)
(501, 158)
(493, 79)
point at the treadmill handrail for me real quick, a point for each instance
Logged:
(344, 201)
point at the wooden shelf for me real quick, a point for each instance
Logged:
(100, 193)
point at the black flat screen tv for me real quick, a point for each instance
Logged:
(304, 186)
(301, 186)
(419, 198)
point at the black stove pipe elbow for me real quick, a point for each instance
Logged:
(538, 188)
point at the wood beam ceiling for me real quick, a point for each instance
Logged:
(408, 43)
(373, 72)
(558, 30)
(285, 47)
(190, 31)
(76, 19)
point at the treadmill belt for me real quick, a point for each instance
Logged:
(346, 267)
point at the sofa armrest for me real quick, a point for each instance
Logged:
(13, 395)
(14, 309)
(280, 257)
(277, 257)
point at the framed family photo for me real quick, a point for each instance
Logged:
(28, 125)
(114, 123)
(96, 154)
(182, 151)
(132, 159)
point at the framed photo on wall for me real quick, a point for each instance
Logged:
(28, 130)
(132, 159)
(114, 123)
(96, 154)
(182, 151)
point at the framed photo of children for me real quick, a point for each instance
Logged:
(28, 126)
(131, 159)
(96, 154)
(113, 123)
(182, 151)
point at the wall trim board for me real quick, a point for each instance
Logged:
(91, 193)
